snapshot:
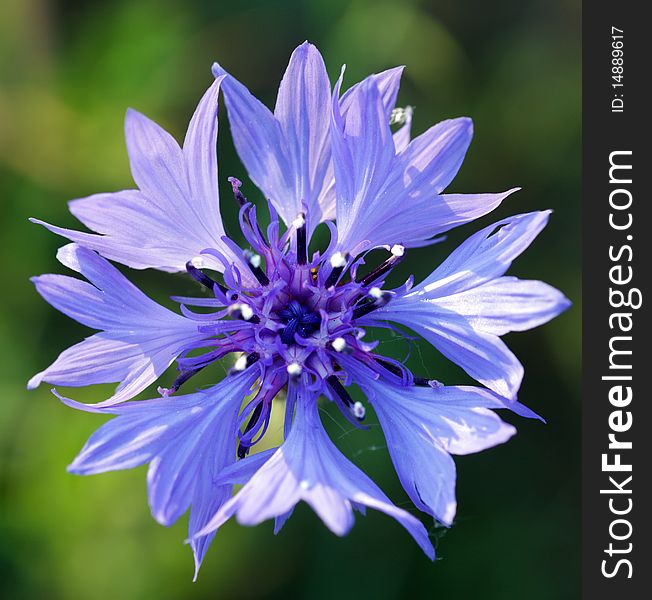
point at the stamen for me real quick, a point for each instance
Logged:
(243, 448)
(244, 362)
(391, 367)
(240, 364)
(242, 202)
(336, 385)
(398, 254)
(298, 319)
(179, 381)
(379, 301)
(396, 370)
(253, 261)
(198, 261)
(242, 311)
(294, 369)
(338, 344)
(237, 194)
(399, 115)
(423, 382)
(202, 278)
(358, 411)
(302, 244)
(253, 258)
(300, 221)
(287, 334)
(243, 451)
(338, 262)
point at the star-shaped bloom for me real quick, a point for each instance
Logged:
(293, 320)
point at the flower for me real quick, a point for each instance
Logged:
(295, 320)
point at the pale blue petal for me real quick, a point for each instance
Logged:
(432, 159)
(363, 155)
(484, 356)
(309, 467)
(175, 214)
(507, 304)
(139, 338)
(259, 140)
(200, 156)
(387, 82)
(302, 106)
(423, 425)
(385, 198)
(463, 306)
(429, 216)
(188, 440)
(485, 255)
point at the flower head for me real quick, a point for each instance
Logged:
(294, 320)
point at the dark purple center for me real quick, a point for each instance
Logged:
(298, 319)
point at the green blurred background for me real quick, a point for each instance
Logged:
(68, 71)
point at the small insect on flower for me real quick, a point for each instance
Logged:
(293, 320)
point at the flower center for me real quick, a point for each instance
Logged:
(292, 313)
(298, 319)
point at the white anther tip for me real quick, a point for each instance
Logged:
(359, 410)
(255, 260)
(399, 115)
(240, 364)
(338, 260)
(294, 369)
(299, 222)
(375, 292)
(246, 312)
(338, 344)
(398, 250)
(198, 262)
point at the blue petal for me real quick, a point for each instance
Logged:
(309, 467)
(188, 440)
(200, 157)
(139, 338)
(363, 156)
(424, 425)
(287, 154)
(484, 356)
(486, 254)
(507, 304)
(301, 109)
(385, 198)
(140, 432)
(465, 304)
(387, 82)
(432, 159)
(175, 214)
(258, 138)
(402, 135)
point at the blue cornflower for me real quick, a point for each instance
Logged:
(295, 320)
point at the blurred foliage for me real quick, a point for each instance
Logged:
(68, 71)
